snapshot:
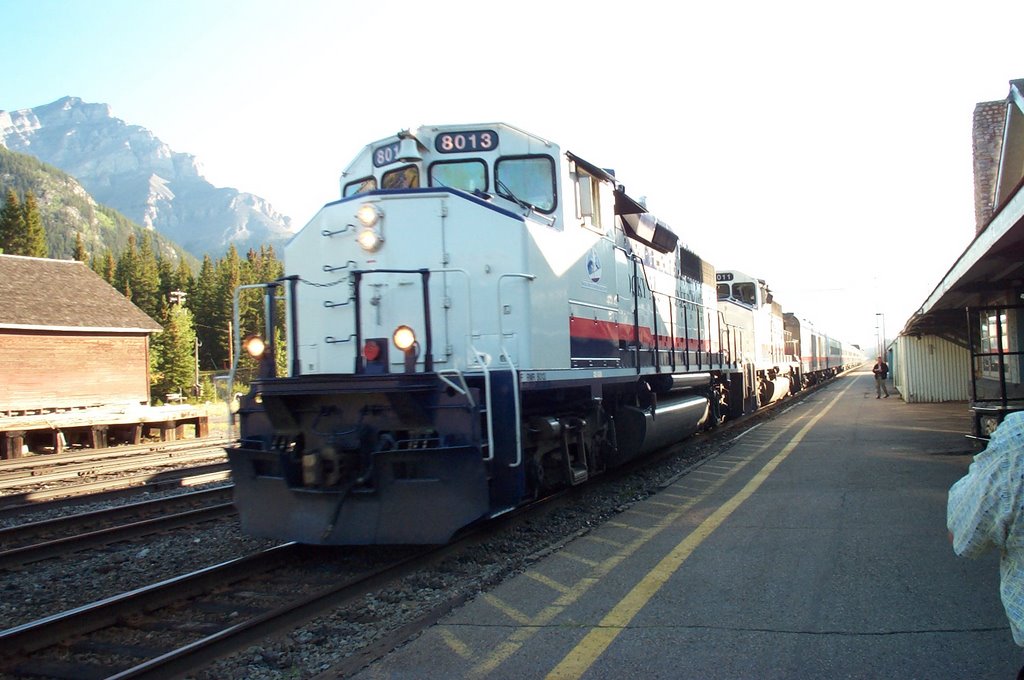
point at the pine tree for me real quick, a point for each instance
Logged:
(175, 361)
(108, 268)
(35, 235)
(202, 300)
(12, 224)
(80, 253)
(183, 278)
(146, 284)
(127, 267)
(229, 277)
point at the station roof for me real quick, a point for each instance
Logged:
(64, 295)
(993, 263)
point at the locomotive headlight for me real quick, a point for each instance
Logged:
(255, 346)
(368, 215)
(369, 240)
(404, 338)
(369, 237)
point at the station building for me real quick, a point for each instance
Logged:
(74, 361)
(966, 341)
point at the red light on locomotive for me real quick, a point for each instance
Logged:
(371, 350)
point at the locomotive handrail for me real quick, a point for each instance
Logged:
(463, 389)
(484, 360)
(329, 269)
(328, 233)
(238, 343)
(515, 400)
(511, 363)
(699, 308)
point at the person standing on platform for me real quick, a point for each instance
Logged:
(985, 511)
(881, 371)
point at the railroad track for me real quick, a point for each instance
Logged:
(179, 624)
(182, 623)
(186, 623)
(37, 464)
(24, 484)
(24, 544)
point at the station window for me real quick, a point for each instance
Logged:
(468, 175)
(994, 342)
(527, 179)
(360, 186)
(407, 177)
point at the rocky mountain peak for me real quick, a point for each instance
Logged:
(130, 169)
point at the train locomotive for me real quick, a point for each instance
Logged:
(481, 318)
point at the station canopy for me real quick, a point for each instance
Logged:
(992, 264)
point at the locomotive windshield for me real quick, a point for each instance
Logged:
(742, 292)
(745, 293)
(407, 177)
(466, 175)
(529, 180)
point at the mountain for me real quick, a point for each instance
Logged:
(128, 168)
(67, 210)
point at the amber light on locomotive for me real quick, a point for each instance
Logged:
(255, 346)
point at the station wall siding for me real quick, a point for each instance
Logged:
(50, 370)
(931, 369)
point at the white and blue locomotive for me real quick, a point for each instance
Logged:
(482, 318)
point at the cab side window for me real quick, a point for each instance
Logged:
(588, 199)
(360, 186)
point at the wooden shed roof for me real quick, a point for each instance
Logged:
(41, 294)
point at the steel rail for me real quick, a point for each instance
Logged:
(60, 547)
(83, 455)
(14, 480)
(148, 481)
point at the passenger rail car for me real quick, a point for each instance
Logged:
(819, 356)
(483, 317)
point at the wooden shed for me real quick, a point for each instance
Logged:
(68, 340)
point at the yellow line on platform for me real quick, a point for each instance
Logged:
(583, 656)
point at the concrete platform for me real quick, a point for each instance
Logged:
(814, 546)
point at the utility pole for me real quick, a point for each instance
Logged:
(882, 345)
(197, 388)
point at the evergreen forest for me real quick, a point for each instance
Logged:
(195, 308)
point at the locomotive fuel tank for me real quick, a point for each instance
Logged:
(641, 430)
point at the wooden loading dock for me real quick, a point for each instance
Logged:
(98, 428)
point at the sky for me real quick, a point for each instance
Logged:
(822, 146)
